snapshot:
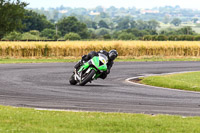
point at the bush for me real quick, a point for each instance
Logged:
(106, 37)
(93, 36)
(182, 38)
(29, 36)
(147, 38)
(50, 34)
(173, 38)
(34, 32)
(189, 38)
(13, 36)
(72, 36)
(154, 38)
(55, 37)
(197, 38)
(161, 38)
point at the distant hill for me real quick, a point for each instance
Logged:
(163, 14)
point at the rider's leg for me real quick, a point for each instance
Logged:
(86, 58)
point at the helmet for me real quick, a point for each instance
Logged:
(113, 54)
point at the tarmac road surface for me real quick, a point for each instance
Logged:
(45, 85)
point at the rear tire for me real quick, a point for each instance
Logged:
(88, 78)
(72, 81)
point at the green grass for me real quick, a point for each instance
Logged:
(52, 60)
(185, 81)
(9, 61)
(23, 120)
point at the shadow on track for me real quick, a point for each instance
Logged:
(91, 85)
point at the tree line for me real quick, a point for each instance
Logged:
(18, 23)
(164, 14)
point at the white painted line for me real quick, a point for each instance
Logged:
(60, 110)
(147, 75)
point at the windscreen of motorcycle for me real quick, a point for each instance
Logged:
(103, 58)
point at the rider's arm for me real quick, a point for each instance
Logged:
(89, 56)
(109, 65)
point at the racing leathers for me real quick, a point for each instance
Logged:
(86, 58)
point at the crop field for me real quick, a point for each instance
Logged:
(79, 48)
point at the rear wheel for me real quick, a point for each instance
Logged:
(72, 81)
(87, 78)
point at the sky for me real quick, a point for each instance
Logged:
(194, 4)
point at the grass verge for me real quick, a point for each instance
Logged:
(25, 120)
(74, 59)
(10, 61)
(184, 81)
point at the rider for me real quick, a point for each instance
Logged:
(112, 54)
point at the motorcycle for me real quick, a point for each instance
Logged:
(90, 70)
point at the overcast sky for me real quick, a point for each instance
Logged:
(117, 3)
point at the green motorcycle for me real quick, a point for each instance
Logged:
(89, 70)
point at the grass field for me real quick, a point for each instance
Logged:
(184, 81)
(23, 120)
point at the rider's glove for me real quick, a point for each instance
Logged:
(83, 57)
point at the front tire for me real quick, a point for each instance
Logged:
(88, 78)
(72, 81)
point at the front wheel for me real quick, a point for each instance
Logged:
(87, 78)
(72, 81)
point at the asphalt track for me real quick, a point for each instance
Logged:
(45, 85)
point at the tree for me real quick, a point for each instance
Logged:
(104, 15)
(71, 24)
(137, 33)
(153, 25)
(166, 19)
(125, 23)
(141, 25)
(94, 25)
(147, 25)
(103, 24)
(186, 31)
(35, 21)
(11, 15)
(176, 22)
(182, 31)
(102, 31)
(90, 23)
(49, 33)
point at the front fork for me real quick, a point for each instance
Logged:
(78, 75)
